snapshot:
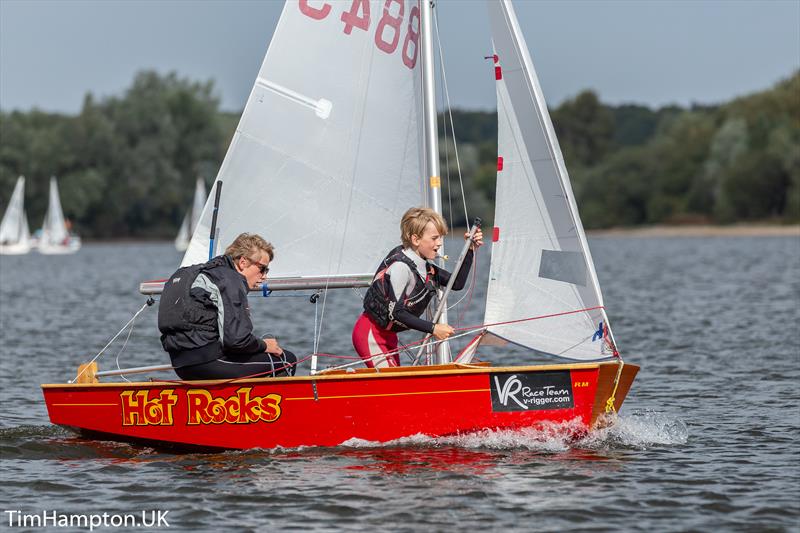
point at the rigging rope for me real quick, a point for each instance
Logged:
(450, 114)
(468, 330)
(150, 301)
(124, 344)
(611, 399)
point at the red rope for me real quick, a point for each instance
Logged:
(533, 318)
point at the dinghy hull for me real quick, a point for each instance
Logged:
(330, 409)
(15, 249)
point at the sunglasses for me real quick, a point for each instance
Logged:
(262, 268)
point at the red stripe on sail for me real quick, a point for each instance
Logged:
(495, 234)
(499, 162)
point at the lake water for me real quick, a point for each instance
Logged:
(707, 439)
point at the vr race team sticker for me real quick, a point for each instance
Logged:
(531, 391)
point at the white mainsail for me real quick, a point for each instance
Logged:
(192, 216)
(55, 237)
(327, 155)
(14, 231)
(541, 265)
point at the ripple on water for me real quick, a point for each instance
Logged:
(707, 439)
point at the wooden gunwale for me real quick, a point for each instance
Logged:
(385, 373)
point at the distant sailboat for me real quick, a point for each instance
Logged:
(192, 217)
(15, 236)
(55, 237)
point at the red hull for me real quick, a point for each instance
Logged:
(328, 410)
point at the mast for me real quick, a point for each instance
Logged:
(432, 143)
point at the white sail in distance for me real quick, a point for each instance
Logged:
(14, 231)
(192, 216)
(327, 155)
(55, 237)
(541, 265)
(54, 228)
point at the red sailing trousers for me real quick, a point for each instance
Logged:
(370, 340)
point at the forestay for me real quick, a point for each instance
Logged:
(328, 153)
(541, 264)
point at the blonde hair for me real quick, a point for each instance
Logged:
(414, 222)
(248, 243)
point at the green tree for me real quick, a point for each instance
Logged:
(585, 129)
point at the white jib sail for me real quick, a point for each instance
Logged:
(14, 226)
(54, 229)
(541, 265)
(327, 155)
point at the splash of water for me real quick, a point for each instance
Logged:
(637, 429)
(547, 437)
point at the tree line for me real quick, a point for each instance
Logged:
(631, 165)
(127, 164)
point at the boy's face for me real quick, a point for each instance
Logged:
(254, 270)
(427, 245)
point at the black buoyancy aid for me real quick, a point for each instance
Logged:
(178, 311)
(378, 302)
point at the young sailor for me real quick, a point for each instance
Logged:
(204, 317)
(403, 286)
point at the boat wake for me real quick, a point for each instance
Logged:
(633, 430)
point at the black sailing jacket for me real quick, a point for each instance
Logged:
(189, 317)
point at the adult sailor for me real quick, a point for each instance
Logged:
(204, 316)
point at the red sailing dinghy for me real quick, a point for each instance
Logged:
(332, 128)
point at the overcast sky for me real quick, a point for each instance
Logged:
(649, 52)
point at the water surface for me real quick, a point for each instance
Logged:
(708, 437)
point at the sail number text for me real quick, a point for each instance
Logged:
(388, 30)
